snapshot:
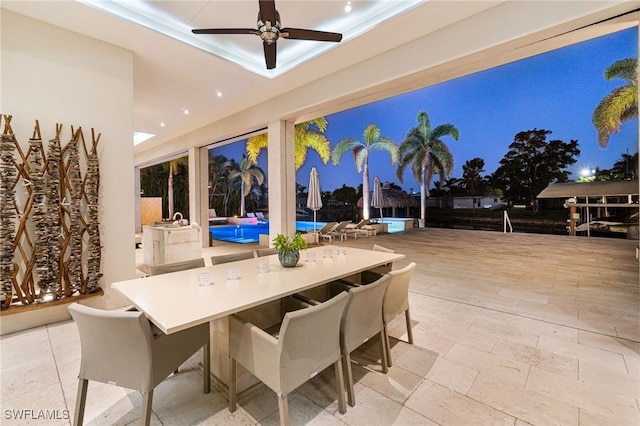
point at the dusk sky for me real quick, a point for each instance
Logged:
(556, 91)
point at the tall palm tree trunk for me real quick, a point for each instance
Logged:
(170, 192)
(423, 198)
(242, 199)
(365, 191)
(423, 206)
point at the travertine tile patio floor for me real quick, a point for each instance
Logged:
(510, 329)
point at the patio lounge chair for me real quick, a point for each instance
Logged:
(214, 219)
(325, 231)
(260, 216)
(357, 228)
(340, 230)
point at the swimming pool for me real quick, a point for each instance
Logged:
(250, 233)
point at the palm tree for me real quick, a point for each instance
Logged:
(248, 174)
(219, 169)
(308, 134)
(427, 154)
(371, 140)
(174, 168)
(627, 166)
(471, 175)
(621, 104)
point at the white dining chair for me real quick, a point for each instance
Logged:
(119, 348)
(396, 302)
(308, 341)
(266, 252)
(166, 268)
(362, 320)
(374, 274)
(232, 257)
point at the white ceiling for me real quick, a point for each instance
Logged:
(179, 71)
(176, 19)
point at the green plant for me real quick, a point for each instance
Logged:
(283, 243)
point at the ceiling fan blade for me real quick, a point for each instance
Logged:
(301, 34)
(268, 11)
(226, 31)
(270, 54)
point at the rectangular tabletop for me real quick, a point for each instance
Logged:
(176, 301)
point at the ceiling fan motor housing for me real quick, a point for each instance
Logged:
(269, 32)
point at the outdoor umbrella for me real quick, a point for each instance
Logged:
(314, 200)
(376, 198)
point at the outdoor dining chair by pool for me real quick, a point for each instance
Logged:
(165, 268)
(396, 302)
(362, 320)
(119, 348)
(266, 251)
(232, 257)
(308, 342)
(374, 274)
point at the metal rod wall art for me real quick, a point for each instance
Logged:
(49, 230)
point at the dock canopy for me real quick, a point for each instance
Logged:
(591, 189)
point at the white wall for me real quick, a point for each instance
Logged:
(57, 76)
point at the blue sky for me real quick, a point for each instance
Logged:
(556, 91)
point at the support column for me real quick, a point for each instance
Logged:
(195, 191)
(202, 176)
(282, 179)
(137, 189)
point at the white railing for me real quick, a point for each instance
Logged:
(505, 222)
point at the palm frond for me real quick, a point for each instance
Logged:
(608, 116)
(445, 130)
(626, 69)
(319, 143)
(343, 146)
(370, 134)
(443, 158)
(360, 156)
(255, 144)
(386, 144)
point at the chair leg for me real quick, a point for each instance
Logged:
(383, 353)
(351, 396)
(407, 317)
(387, 344)
(342, 407)
(232, 384)
(81, 400)
(283, 407)
(206, 366)
(147, 401)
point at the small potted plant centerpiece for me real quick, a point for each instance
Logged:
(289, 248)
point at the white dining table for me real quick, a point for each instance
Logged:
(177, 301)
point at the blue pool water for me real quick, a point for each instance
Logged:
(251, 233)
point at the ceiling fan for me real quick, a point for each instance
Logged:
(269, 31)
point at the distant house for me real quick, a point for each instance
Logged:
(465, 201)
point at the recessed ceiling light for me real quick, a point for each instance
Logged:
(347, 8)
(185, 111)
(162, 124)
(218, 93)
(139, 137)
